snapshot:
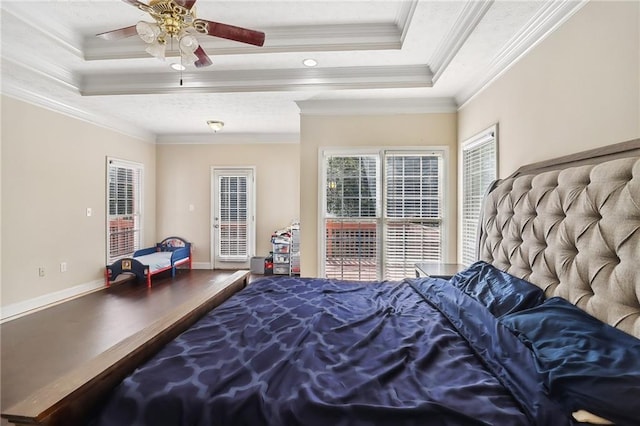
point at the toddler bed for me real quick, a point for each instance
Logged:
(166, 255)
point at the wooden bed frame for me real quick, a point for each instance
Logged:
(180, 255)
(67, 400)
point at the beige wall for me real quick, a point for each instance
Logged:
(403, 130)
(53, 168)
(184, 178)
(578, 89)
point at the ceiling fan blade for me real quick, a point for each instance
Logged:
(229, 32)
(203, 58)
(118, 34)
(135, 3)
(187, 4)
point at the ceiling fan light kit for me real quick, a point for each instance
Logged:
(176, 19)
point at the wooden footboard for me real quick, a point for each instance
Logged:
(69, 400)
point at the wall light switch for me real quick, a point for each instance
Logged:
(63, 266)
(89, 211)
(191, 207)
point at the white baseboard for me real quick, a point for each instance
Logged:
(17, 310)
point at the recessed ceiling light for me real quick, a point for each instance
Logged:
(309, 62)
(178, 67)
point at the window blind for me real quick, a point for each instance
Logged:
(124, 208)
(479, 166)
(234, 231)
(369, 236)
(413, 212)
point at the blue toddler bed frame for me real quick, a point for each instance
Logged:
(180, 254)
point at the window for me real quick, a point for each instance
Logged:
(124, 208)
(479, 169)
(378, 227)
(413, 211)
(351, 217)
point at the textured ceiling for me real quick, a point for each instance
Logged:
(374, 56)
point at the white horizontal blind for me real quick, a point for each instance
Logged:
(412, 212)
(478, 171)
(351, 217)
(124, 208)
(233, 225)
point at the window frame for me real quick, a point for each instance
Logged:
(387, 221)
(322, 214)
(138, 206)
(324, 152)
(476, 142)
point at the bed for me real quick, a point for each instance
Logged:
(145, 263)
(543, 330)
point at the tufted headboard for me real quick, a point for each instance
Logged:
(572, 227)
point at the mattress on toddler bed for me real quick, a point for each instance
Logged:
(156, 261)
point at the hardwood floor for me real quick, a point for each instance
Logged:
(41, 347)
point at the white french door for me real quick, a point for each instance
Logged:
(233, 217)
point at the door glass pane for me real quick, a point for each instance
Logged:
(232, 226)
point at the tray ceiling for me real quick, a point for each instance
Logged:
(374, 56)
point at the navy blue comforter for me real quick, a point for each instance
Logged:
(291, 351)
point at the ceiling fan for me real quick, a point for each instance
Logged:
(176, 19)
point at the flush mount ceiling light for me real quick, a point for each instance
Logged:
(178, 67)
(310, 62)
(215, 125)
(176, 20)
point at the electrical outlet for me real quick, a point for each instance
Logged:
(63, 266)
(41, 271)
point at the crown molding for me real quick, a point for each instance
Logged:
(540, 26)
(55, 34)
(37, 99)
(405, 15)
(228, 138)
(376, 106)
(316, 38)
(471, 14)
(257, 80)
(33, 65)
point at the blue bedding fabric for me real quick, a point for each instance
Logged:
(296, 351)
(586, 364)
(499, 291)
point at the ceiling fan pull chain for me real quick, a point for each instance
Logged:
(181, 68)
